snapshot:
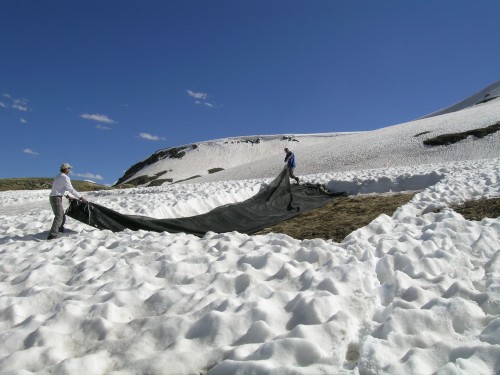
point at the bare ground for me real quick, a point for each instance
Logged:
(41, 183)
(346, 214)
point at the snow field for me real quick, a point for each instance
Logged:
(418, 292)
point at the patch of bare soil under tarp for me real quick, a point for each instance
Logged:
(477, 210)
(344, 215)
(340, 217)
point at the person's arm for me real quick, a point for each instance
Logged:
(69, 188)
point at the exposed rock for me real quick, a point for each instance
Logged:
(174, 152)
(215, 170)
(160, 181)
(448, 139)
(419, 134)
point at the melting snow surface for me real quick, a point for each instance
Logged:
(417, 292)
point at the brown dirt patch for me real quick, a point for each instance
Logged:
(341, 217)
(41, 183)
(346, 214)
(479, 209)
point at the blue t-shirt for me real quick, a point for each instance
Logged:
(290, 159)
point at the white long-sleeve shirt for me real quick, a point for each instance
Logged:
(61, 185)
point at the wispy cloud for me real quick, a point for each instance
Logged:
(20, 105)
(22, 120)
(101, 127)
(29, 151)
(197, 95)
(200, 98)
(98, 117)
(89, 176)
(151, 137)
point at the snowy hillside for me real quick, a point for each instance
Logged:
(398, 145)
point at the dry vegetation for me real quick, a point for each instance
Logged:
(42, 183)
(448, 139)
(346, 214)
(479, 209)
(340, 217)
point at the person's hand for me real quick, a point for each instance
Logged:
(83, 200)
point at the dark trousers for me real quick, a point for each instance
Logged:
(292, 175)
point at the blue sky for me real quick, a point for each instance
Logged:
(104, 84)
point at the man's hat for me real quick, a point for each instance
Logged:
(65, 166)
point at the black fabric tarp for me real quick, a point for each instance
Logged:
(278, 201)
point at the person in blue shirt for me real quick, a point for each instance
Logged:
(61, 186)
(290, 164)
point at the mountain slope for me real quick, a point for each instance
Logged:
(262, 156)
(491, 92)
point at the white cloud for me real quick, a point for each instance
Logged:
(29, 151)
(100, 127)
(89, 176)
(20, 105)
(98, 117)
(23, 120)
(200, 98)
(151, 137)
(197, 95)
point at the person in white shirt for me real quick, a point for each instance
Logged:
(61, 186)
